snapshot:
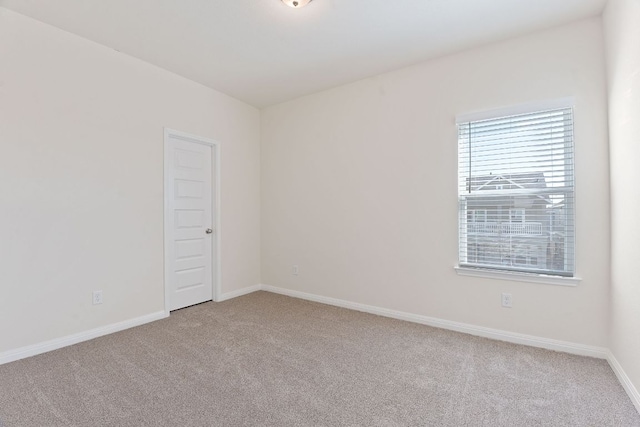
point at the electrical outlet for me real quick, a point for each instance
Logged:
(506, 300)
(97, 297)
(294, 270)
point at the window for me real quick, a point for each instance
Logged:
(516, 215)
(516, 192)
(479, 215)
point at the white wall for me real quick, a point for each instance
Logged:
(359, 186)
(622, 37)
(81, 181)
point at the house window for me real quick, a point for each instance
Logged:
(478, 215)
(516, 179)
(516, 215)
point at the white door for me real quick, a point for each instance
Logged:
(189, 221)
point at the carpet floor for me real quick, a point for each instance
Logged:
(269, 360)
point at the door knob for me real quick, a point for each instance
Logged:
(209, 231)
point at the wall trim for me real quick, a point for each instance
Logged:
(43, 347)
(624, 379)
(516, 276)
(239, 292)
(512, 110)
(496, 334)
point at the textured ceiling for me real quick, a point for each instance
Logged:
(263, 52)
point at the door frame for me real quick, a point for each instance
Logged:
(216, 279)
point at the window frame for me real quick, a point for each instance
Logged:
(504, 273)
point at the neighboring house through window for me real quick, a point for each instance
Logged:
(516, 191)
(516, 215)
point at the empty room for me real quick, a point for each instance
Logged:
(319, 213)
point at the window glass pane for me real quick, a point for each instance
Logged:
(515, 193)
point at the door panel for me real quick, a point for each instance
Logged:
(189, 213)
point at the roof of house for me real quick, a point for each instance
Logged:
(508, 181)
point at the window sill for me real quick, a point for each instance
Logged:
(519, 277)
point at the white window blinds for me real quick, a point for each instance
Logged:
(516, 193)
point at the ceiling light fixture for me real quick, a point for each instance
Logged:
(296, 3)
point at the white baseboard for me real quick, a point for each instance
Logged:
(239, 292)
(496, 334)
(43, 347)
(512, 337)
(516, 338)
(624, 379)
(55, 344)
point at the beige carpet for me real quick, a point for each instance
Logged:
(270, 360)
